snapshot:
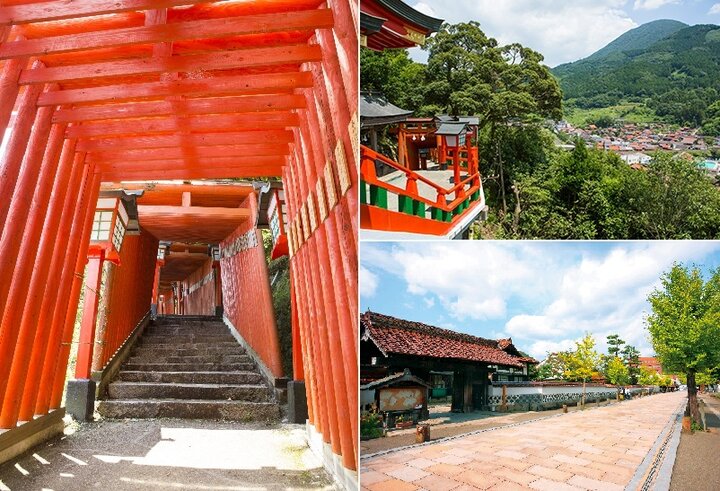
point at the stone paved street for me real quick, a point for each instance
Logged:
(598, 449)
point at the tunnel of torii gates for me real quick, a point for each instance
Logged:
(98, 94)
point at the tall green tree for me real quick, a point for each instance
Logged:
(582, 363)
(617, 373)
(685, 325)
(614, 344)
(551, 368)
(631, 358)
(468, 73)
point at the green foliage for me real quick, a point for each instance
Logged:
(672, 69)
(646, 376)
(592, 194)
(280, 273)
(552, 368)
(685, 321)
(614, 344)
(706, 377)
(392, 73)
(631, 359)
(617, 373)
(685, 325)
(583, 362)
(711, 125)
(371, 425)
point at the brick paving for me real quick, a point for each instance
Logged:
(596, 449)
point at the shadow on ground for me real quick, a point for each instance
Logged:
(169, 454)
(696, 466)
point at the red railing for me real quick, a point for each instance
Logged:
(459, 191)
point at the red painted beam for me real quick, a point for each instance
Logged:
(67, 9)
(197, 173)
(118, 158)
(218, 85)
(191, 63)
(193, 162)
(307, 20)
(115, 145)
(220, 105)
(205, 124)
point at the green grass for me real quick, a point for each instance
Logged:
(631, 112)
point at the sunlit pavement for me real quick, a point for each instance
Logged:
(169, 454)
(600, 448)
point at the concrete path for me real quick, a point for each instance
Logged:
(165, 454)
(599, 448)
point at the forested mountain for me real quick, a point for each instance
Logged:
(677, 76)
(641, 37)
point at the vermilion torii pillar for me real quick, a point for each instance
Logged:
(156, 287)
(81, 391)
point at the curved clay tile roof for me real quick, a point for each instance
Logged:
(393, 335)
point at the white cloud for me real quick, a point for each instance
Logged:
(543, 295)
(368, 282)
(652, 4)
(470, 282)
(562, 31)
(715, 9)
(606, 295)
(539, 349)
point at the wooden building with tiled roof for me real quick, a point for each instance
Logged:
(390, 345)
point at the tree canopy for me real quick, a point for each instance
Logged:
(684, 324)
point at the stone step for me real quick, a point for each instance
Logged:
(190, 338)
(188, 367)
(172, 351)
(150, 357)
(191, 409)
(155, 390)
(199, 328)
(238, 377)
(173, 346)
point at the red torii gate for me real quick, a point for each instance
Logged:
(118, 90)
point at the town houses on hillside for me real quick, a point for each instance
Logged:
(636, 142)
(631, 137)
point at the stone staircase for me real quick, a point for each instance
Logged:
(189, 367)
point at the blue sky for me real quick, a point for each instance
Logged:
(565, 30)
(544, 295)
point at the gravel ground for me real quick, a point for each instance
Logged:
(161, 454)
(696, 465)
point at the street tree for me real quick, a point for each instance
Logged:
(631, 358)
(551, 368)
(617, 373)
(582, 363)
(614, 344)
(684, 325)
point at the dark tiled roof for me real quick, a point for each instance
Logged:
(393, 335)
(395, 378)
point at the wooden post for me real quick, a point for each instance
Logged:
(93, 283)
(16, 206)
(30, 280)
(14, 293)
(17, 146)
(68, 311)
(57, 233)
(156, 285)
(72, 218)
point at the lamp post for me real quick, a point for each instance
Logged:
(163, 251)
(277, 218)
(106, 239)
